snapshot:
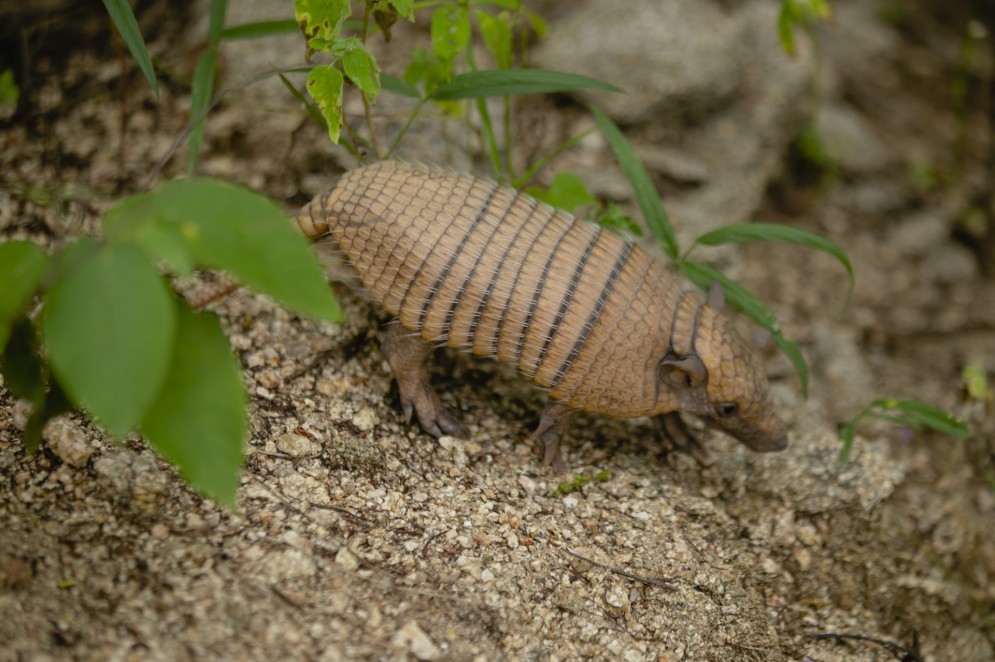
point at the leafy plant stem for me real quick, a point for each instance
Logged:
(404, 129)
(485, 119)
(367, 114)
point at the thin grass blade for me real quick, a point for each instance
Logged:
(646, 196)
(124, 20)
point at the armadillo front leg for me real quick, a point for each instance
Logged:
(673, 430)
(553, 424)
(406, 355)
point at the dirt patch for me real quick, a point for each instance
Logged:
(358, 536)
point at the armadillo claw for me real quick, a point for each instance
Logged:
(433, 416)
(676, 435)
(553, 424)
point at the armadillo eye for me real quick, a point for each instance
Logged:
(727, 409)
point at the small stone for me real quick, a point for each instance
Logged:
(294, 445)
(67, 440)
(412, 638)
(347, 560)
(512, 541)
(365, 419)
(617, 600)
(486, 576)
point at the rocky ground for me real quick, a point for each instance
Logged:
(359, 537)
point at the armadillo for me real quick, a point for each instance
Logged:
(588, 316)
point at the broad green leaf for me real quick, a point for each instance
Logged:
(53, 404)
(313, 112)
(450, 31)
(742, 232)
(200, 98)
(398, 86)
(227, 227)
(20, 364)
(497, 35)
(405, 8)
(566, 191)
(646, 196)
(198, 420)
(363, 71)
(426, 68)
(217, 22)
(613, 218)
(22, 265)
(259, 29)
(324, 84)
(506, 82)
(135, 220)
(321, 18)
(108, 329)
(124, 20)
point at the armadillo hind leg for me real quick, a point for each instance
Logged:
(675, 434)
(406, 355)
(553, 424)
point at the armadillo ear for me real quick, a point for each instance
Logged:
(683, 371)
(716, 296)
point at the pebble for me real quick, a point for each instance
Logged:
(413, 639)
(347, 560)
(67, 440)
(294, 445)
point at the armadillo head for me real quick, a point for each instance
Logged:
(720, 381)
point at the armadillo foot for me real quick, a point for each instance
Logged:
(553, 424)
(676, 434)
(406, 355)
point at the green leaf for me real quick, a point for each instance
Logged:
(363, 71)
(227, 227)
(501, 82)
(398, 86)
(921, 414)
(497, 35)
(313, 112)
(259, 29)
(405, 8)
(200, 98)
(217, 23)
(786, 19)
(198, 420)
(22, 265)
(324, 84)
(566, 191)
(425, 67)
(616, 220)
(646, 196)
(450, 31)
(108, 328)
(124, 20)
(742, 232)
(135, 220)
(20, 364)
(321, 18)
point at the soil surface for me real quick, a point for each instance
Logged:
(358, 536)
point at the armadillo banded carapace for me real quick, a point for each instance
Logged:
(586, 315)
